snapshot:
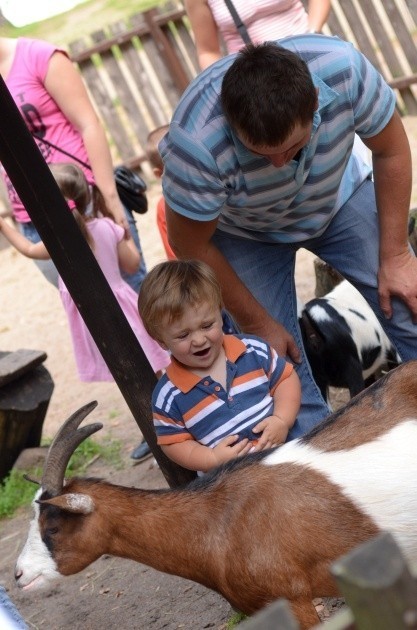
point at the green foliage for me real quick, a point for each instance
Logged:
(235, 620)
(15, 491)
(80, 21)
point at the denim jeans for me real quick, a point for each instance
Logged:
(350, 245)
(50, 272)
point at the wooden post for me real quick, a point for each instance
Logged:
(81, 274)
(277, 615)
(378, 585)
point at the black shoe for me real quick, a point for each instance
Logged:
(141, 452)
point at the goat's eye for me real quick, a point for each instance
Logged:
(51, 531)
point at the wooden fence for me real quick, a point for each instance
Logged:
(377, 584)
(136, 70)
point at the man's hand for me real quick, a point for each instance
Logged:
(397, 276)
(278, 337)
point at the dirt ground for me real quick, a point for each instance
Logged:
(112, 593)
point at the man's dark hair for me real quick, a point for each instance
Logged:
(266, 92)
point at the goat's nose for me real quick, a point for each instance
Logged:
(17, 574)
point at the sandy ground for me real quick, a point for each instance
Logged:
(113, 593)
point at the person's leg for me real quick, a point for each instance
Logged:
(135, 279)
(351, 245)
(268, 272)
(47, 267)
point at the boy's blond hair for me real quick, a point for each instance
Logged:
(172, 287)
(151, 148)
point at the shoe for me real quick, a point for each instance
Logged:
(141, 452)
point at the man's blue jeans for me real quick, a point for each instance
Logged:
(350, 245)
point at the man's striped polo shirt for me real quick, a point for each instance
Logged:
(209, 173)
(186, 406)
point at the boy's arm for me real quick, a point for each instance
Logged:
(192, 455)
(22, 244)
(287, 400)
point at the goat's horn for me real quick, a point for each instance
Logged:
(63, 445)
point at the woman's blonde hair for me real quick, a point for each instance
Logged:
(172, 287)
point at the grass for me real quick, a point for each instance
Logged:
(15, 491)
(81, 21)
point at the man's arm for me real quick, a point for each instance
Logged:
(397, 274)
(192, 239)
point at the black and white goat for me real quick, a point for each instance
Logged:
(264, 526)
(344, 341)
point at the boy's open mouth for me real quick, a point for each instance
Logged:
(202, 353)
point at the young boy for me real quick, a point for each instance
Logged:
(222, 395)
(155, 160)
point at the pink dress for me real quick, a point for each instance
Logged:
(90, 364)
(264, 20)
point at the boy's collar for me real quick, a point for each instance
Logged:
(185, 379)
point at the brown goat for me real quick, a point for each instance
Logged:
(265, 526)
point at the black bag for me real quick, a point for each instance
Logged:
(130, 186)
(131, 189)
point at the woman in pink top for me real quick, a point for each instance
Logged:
(54, 103)
(113, 253)
(212, 22)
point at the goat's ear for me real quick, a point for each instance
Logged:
(72, 502)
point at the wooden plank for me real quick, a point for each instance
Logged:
(402, 33)
(412, 7)
(364, 44)
(124, 95)
(277, 615)
(377, 584)
(188, 43)
(104, 103)
(143, 82)
(15, 364)
(387, 51)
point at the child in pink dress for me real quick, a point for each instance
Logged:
(113, 254)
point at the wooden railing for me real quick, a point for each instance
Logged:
(137, 69)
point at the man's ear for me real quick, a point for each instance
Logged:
(157, 172)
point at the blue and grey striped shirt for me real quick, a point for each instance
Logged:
(209, 173)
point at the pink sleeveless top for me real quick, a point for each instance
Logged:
(40, 112)
(264, 20)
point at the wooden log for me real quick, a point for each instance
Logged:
(23, 406)
(377, 585)
(15, 364)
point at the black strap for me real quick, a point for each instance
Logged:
(238, 21)
(57, 148)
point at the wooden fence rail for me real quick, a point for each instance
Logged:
(137, 69)
(378, 587)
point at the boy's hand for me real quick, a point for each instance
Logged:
(229, 448)
(274, 431)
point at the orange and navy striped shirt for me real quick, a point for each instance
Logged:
(188, 407)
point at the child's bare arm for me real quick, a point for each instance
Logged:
(287, 399)
(195, 456)
(37, 251)
(128, 255)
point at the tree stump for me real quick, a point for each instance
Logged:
(25, 391)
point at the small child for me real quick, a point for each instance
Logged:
(113, 253)
(222, 395)
(155, 160)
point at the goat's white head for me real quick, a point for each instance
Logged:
(38, 565)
